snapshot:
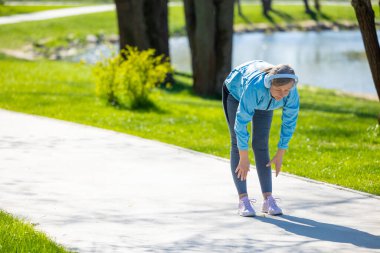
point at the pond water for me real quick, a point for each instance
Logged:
(326, 59)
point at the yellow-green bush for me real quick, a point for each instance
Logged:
(105, 75)
(128, 78)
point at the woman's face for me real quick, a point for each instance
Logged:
(278, 92)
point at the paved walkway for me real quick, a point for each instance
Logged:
(59, 13)
(95, 190)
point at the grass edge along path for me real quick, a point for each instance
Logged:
(17, 235)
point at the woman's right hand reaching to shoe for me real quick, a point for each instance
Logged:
(243, 166)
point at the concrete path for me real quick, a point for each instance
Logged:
(59, 13)
(95, 190)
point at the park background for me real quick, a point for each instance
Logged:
(47, 68)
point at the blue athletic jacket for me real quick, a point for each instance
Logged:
(246, 84)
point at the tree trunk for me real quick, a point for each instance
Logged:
(205, 55)
(307, 8)
(266, 6)
(132, 29)
(240, 12)
(366, 19)
(317, 5)
(190, 29)
(143, 24)
(223, 46)
(209, 25)
(156, 20)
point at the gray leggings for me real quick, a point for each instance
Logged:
(261, 123)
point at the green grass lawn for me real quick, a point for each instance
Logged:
(16, 35)
(335, 140)
(7, 10)
(20, 236)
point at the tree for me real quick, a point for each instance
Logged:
(307, 8)
(238, 3)
(209, 25)
(267, 6)
(317, 5)
(144, 24)
(366, 18)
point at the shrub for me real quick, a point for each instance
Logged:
(128, 79)
(105, 74)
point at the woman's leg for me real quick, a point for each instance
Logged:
(230, 105)
(260, 143)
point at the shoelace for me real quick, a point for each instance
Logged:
(252, 201)
(274, 201)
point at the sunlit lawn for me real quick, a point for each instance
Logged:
(6, 10)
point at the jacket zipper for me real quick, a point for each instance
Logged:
(270, 101)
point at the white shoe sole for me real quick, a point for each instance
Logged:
(274, 214)
(247, 214)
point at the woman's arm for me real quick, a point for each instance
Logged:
(277, 160)
(243, 166)
(289, 121)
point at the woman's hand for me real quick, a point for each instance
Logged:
(277, 160)
(243, 166)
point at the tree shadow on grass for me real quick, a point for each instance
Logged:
(317, 15)
(324, 231)
(179, 86)
(312, 14)
(283, 15)
(272, 21)
(324, 16)
(245, 19)
(145, 107)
